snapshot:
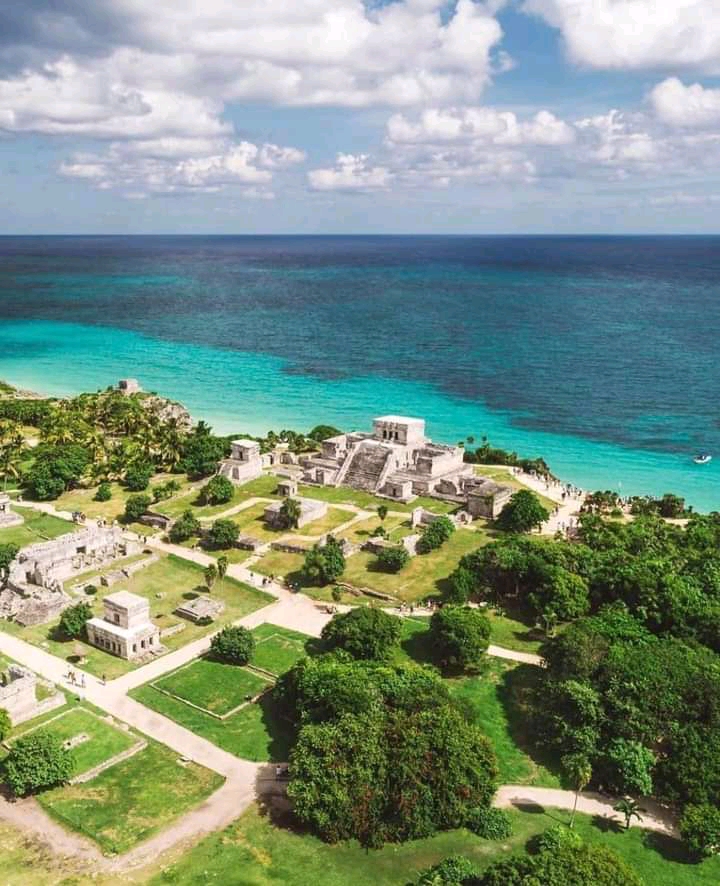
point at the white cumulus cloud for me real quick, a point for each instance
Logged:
(352, 172)
(690, 106)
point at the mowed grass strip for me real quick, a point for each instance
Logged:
(133, 800)
(36, 528)
(256, 732)
(277, 649)
(213, 685)
(104, 740)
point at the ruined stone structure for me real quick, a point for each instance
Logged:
(201, 609)
(8, 517)
(33, 592)
(125, 629)
(310, 509)
(397, 461)
(18, 695)
(129, 386)
(287, 487)
(244, 464)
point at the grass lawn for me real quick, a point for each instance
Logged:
(104, 741)
(212, 685)
(251, 523)
(277, 649)
(395, 525)
(256, 732)
(347, 496)
(37, 527)
(422, 577)
(264, 486)
(254, 852)
(133, 800)
(83, 499)
(165, 584)
(513, 633)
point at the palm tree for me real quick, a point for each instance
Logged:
(578, 772)
(222, 568)
(290, 513)
(630, 809)
(210, 574)
(12, 445)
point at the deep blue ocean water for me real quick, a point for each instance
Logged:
(599, 353)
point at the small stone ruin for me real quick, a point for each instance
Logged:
(18, 695)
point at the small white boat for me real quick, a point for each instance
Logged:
(702, 459)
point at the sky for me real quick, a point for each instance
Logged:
(344, 116)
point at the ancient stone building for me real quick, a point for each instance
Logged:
(18, 695)
(125, 629)
(8, 517)
(486, 498)
(244, 464)
(129, 386)
(310, 509)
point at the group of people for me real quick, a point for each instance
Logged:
(73, 679)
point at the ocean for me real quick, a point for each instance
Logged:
(598, 353)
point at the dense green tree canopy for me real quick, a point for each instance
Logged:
(73, 620)
(435, 535)
(185, 527)
(523, 513)
(324, 564)
(36, 762)
(363, 632)
(459, 637)
(222, 535)
(217, 491)
(136, 506)
(233, 644)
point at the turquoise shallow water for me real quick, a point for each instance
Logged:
(239, 391)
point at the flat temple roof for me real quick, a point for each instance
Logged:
(125, 599)
(400, 419)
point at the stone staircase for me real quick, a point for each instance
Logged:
(367, 466)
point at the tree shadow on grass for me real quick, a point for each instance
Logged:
(279, 729)
(515, 692)
(669, 848)
(607, 825)
(418, 647)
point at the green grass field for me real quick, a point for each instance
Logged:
(256, 732)
(264, 486)
(165, 584)
(347, 496)
(212, 685)
(37, 527)
(104, 740)
(254, 852)
(396, 526)
(133, 800)
(83, 499)
(277, 649)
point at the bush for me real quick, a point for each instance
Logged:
(234, 645)
(222, 535)
(489, 823)
(363, 632)
(201, 453)
(453, 871)
(523, 513)
(104, 492)
(435, 535)
(37, 761)
(8, 552)
(393, 559)
(90, 590)
(5, 724)
(555, 839)
(324, 564)
(459, 636)
(55, 469)
(164, 491)
(73, 619)
(184, 528)
(217, 491)
(135, 507)
(323, 432)
(137, 476)
(462, 586)
(700, 829)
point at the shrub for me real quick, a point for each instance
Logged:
(8, 552)
(523, 513)
(5, 724)
(234, 645)
(700, 829)
(462, 585)
(453, 871)
(135, 507)
(72, 620)
(165, 490)
(363, 632)
(103, 493)
(555, 839)
(459, 636)
(55, 469)
(185, 527)
(137, 476)
(393, 559)
(489, 823)
(217, 491)
(90, 590)
(435, 535)
(201, 453)
(288, 516)
(37, 761)
(324, 564)
(222, 535)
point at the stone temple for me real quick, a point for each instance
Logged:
(125, 628)
(8, 517)
(33, 592)
(245, 462)
(397, 461)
